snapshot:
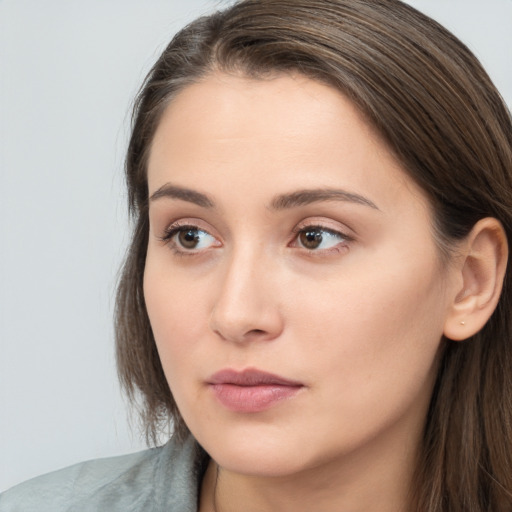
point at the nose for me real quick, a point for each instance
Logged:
(246, 306)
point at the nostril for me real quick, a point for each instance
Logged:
(252, 320)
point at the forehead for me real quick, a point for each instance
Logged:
(287, 131)
(236, 106)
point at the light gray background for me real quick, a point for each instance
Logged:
(68, 72)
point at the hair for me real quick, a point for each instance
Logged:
(437, 110)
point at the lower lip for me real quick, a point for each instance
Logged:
(252, 398)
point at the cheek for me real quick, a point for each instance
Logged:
(177, 311)
(375, 337)
(378, 305)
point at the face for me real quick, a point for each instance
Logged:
(292, 282)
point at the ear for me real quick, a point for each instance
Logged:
(481, 273)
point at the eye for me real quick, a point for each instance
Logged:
(314, 238)
(189, 238)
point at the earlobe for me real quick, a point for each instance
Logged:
(482, 270)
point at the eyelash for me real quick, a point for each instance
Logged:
(170, 233)
(341, 245)
(176, 229)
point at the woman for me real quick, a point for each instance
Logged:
(316, 290)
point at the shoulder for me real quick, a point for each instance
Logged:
(148, 481)
(84, 482)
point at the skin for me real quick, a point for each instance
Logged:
(357, 320)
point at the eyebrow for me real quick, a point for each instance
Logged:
(280, 202)
(185, 194)
(305, 197)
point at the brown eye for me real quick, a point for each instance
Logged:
(317, 238)
(189, 238)
(311, 238)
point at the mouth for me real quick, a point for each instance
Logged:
(251, 390)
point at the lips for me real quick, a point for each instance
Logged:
(251, 390)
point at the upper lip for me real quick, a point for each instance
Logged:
(250, 377)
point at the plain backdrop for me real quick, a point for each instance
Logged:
(69, 70)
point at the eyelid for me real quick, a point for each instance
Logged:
(319, 227)
(188, 222)
(328, 226)
(172, 229)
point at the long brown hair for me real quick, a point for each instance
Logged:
(436, 108)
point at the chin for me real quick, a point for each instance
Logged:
(254, 452)
(256, 463)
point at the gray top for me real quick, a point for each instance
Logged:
(164, 479)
